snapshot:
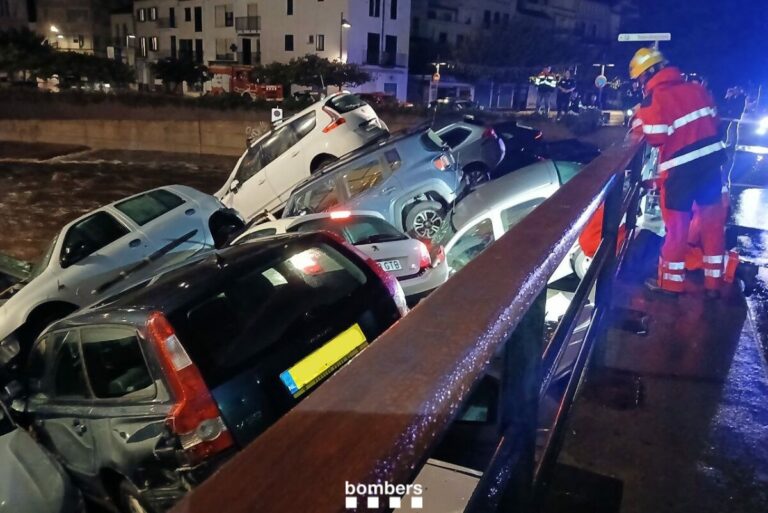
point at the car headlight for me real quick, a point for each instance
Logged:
(762, 126)
(630, 112)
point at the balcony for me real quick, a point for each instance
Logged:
(247, 24)
(385, 59)
(226, 57)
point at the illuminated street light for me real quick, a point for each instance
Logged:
(343, 24)
(55, 29)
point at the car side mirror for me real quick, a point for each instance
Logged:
(235, 185)
(73, 254)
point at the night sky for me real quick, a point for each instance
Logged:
(725, 40)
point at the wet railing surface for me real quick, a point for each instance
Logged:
(379, 417)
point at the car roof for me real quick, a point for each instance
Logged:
(182, 190)
(282, 225)
(375, 145)
(488, 196)
(172, 289)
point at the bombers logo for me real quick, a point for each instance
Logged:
(375, 496)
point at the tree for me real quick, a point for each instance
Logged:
(74, 68)
(23, 51)
(311, 71)
(175, 71)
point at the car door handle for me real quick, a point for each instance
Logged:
(135, 243)
(189, 212)
(79, 427)
(296, 154)
(388, 190)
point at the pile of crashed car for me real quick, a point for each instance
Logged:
(161, 333)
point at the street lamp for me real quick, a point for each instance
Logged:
(55, 29)
(343, 24)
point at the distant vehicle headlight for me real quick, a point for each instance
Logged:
(762, 126)
(630, 112)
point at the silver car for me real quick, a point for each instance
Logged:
(410, 179)
(418, 269)
(488, 212)
(91, 256)
(477, 148)
(31, 480)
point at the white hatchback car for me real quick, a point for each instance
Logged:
(418, 270)
(272, 166)
(94, 255)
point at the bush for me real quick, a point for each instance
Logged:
(585, 122)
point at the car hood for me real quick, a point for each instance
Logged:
(30, 481)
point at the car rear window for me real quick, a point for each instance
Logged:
(345, 103)
(431, 141)
(355, 229)
(296, 297)
(115, 364)
(146, 207)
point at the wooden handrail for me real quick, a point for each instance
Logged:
(377, 419)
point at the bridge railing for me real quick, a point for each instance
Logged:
(379, 418)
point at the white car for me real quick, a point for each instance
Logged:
(409, 260)
(275, 163)
(489, 211)
(94, 255)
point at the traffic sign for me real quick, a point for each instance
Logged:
(436, 77)
(651, 36)
(277, 115)
(601, 81)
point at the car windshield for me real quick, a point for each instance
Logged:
(431, 141)
(40, 266)
(345, 103)
(446, 232)
(355, 229)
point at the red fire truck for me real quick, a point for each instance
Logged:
(237, 80)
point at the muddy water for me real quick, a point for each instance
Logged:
(37, 199)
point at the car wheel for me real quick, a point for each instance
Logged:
(476, 174)
(131, 500)
(425, 219)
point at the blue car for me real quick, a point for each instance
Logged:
(410, 179)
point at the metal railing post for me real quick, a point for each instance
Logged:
(611, 222)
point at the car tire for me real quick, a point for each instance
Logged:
(130, 499)
(425, 219)
(476, 174)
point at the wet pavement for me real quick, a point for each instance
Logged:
(38, 198)
(697, 439)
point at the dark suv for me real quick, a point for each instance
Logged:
(143, 395)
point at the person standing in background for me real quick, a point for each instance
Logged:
(546, 82)
(565, 88)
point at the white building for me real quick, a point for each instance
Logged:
(75, 25)
(371, 33)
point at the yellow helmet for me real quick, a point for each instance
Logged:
(643, 60)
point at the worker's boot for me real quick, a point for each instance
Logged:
(652, 285)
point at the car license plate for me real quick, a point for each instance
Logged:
(313, 368)
(390, 265)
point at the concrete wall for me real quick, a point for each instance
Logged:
(196, 137)
(225, 137)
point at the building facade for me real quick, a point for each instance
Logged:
(13, 14)
(371, 33)
(454, 21)
(75, 25)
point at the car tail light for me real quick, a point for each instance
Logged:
(442, 163)
(195, 418)
(425, 260)
(489, 133)
(341, 214)
(336, 121)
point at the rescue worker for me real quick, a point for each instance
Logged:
(546, 82)
(681, 120)
(565, 88)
